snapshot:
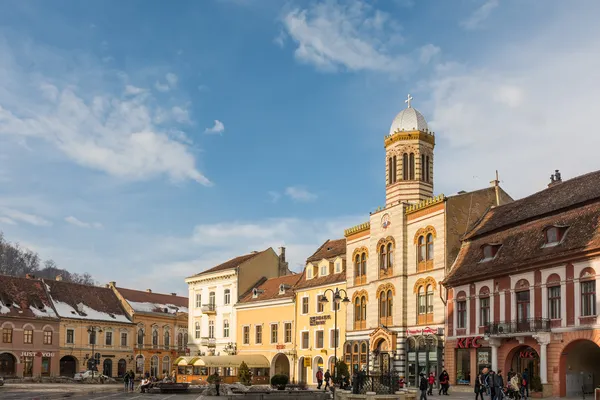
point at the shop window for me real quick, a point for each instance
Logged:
(27, 366)
(554, 302)
(46, 366)
(463, 366)
(461, 314)
(588, 298)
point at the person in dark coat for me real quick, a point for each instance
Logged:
(479, 387)
(499, 385)
(444, 383)
(327, 377)
(423, 386)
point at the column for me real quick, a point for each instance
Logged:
(577, 299)
(455, 318)
(543, 339)
(513, 306)
(502, 300)
(532, 307)
(495, 343)
(477, 314)
(563, 304)
(544, 301)
(468, 316)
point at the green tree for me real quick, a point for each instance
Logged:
(244, 375)
(341, 369)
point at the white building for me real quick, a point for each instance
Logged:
(214, 292)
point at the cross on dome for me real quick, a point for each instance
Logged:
(408, 99)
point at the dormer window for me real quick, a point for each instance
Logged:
(254, 293)
(554, 235)
(490, 251)
(338, 267)
(309, 273)
(323, 270)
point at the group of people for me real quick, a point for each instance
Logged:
(146, 382)
(326, 377)
(426, 384)
(491, 383)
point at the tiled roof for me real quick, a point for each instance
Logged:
(233, 263)
(24, 298)
(72, 300)
(523, 242)
(330, 279)
(270, 289)
(329, 249)
(566, 194)
(142, 301)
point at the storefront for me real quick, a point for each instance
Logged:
(425, 355)
(466, 358)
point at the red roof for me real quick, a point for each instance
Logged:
(159, 301)
(233, 263)
(269, 289)
(24, 298)
(328, 250)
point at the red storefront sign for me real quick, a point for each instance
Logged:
(527, 354)
(280, 346)
(468, 342)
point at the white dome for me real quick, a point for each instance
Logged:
(409, 119)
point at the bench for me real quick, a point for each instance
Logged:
(165, 387)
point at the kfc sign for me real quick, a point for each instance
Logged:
(468, 343)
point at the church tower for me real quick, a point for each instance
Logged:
(409, 158)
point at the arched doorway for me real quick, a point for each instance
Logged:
(68, 366)
(154, 366)
(8, 365)
(302, 371)
(121, 368)
(317, 364)
(139, 365)
(579, 368)
(107, 367)
(383, 356)
(280, 365)
(526, 358)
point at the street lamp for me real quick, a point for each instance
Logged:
(337, 298)
(94, 330)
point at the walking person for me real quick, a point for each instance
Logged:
(131, 380)
(525, 384)
(499, 385)
(423, 386)
(491, 382)
(327, 377)
(431, 381)
(479, 387)
(217, 382)
(126, 381)
(319, 378)
(444, 383)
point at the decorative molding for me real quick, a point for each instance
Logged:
(424, 232)
(424, 282)
(360, 293)
(385, 287)
(522, 284)
(385, 241)
(412, 135)
(360, 250)
(365, 226)
(425, 203)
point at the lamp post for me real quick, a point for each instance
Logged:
(95, 330)
(337, 298)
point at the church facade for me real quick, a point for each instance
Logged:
(399, 257)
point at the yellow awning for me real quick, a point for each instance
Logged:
(251, 360)
(183, 361)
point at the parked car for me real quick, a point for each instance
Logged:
(1, 381)
(79, 376)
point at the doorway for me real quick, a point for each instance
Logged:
(579, 368)
(526, 358)
(8, 365)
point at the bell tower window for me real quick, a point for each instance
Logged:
(389, 170)
(412, 167)
(405, 166)
(394, 167)
(427, 170)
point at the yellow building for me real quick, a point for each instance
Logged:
(265, 326)
(161, 322)
(95, 330)
(324, 275)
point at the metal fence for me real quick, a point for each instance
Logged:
(521, 326)
(380, 384)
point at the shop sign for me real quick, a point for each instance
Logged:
(34, 354)
(307, 362)
(483, 357)
(529, 353)
(468, 342)
(424, 331)
(280, 346)
(319, 319)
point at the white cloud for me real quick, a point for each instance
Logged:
(300, 193)
(352, 36)
(217, 128)
(133, 90)
(525, 118)
(105, 131)
(161, 87)
(8, 221)
(81, 224)
(19, 216)
(427, 53)
(180, 114)
(280, 39)
(477, 17)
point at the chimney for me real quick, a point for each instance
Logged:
(283, 265)
(29, 276)
(555, 178)
(173, 294)
(149, 290)
(59, 277)
(112, 283)
(496, 185)
(282, 253)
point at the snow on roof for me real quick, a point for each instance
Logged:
(157, 307)
(84, 312)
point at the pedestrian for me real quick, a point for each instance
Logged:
(525, 384)
(126, 381)
(431, 382)
(217, 381)
(327, 377)
(131, 380)
(479, 387)
(444, 383)
(491, 383)
(319, 378)
(499, 385)
(423, 386)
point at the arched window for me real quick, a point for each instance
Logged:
(390, 174)
(180, 340)
(382, 257)
(166, 365)
(412, 167)
(390, 306)
(211, 298)
(154, 366)
(430, 246)
(357, 312)
(155, 338)
(390, 255)
(425, 302)
(360, 266)
(422, 175)
(211, 329)
(167, 339)
(382, 305)
(226, 328)
(422, 301)
(357, 266)
(427, 170)
(227, 296)
(394, 168)
(405, 166)
(363, 261)
(421, 251)
(197, 330)
(185, 339)
(140, 336)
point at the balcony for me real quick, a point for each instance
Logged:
(530, 325)
(209, 342)
(208, 309)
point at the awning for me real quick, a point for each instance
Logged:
(251, 360)
(183, 361)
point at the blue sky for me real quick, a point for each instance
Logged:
(144, 141)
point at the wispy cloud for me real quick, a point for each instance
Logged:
(81, 224)
(10, 214)
(170, 84)
(133, 90)
(427, 53)
(300, 193)
(117, 133)
(218, 128)
(8, 221)
(351, 35)
(477, 17)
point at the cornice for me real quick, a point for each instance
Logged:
(425, 204)
(412, 135)
(357, 229)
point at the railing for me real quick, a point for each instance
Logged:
(380, 384)
(208, 308)
(519, 326)
(210, 342)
